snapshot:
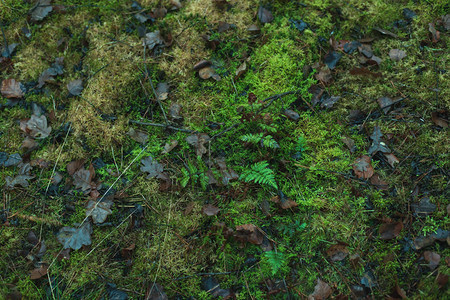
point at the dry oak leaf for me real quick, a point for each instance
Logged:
(388, 231)
(337, 252)
(362, 167)
(99, 211)
(12, 89)
(198, 140)
(38, 127)
(38, 272)
(75, 238)
(249, 233)
(321, 291)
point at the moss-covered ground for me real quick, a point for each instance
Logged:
(312, 216)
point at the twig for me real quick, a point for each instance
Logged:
(163, 126)
(6, 41)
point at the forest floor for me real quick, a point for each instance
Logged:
(226, 149)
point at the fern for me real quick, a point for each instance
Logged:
(265, 141)
(260, 173)
(275, 259)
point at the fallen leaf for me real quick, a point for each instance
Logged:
(138, 135)
(9, 160)
(38, 272)
(338, 252)
(198, 140)
(386, 32)
(253, 29)
(331, 59)
(155, 292)
(153, 39)
(41, 10)
(207, 73)
(159, 12)
(224, 26)
(75, 238)
(291, 115)
(228, 174)
(362, 167)
(169, 146)
(364, 72)
(82, 179)
(377, 144)
(321, 291)
(441, 280)
(317, 93)
(127, 252)
(264, 15)
(249, 233)
(324, 75)
(328, 102)
(378, 183)
(38, 127)
(300, 25)
(385, 104)
(350, 143)
(175, 111)
(435, 35)
(176, 4)
(366, 50)
(432, 258)
(152, 167)
(75, 87)
(7, 52)
(99, 211)
(202, 64)
(440, 118)
(75, 165)
(210, 210)
(241, 70)
(12, 89)
(392, 159)
(396, 54)
(162, 90)
(390, 230)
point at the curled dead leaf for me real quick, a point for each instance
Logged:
(362, 167)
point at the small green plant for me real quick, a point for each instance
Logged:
(431, 226)
(194, 174)
(275, 259)
(265, 141)
(260, 173)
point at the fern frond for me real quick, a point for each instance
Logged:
(252, 138)
(260, 173)
(275, 260)
(269, 142)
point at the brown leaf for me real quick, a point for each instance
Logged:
(127, 252)
(169, 146)
(441, 280)
(392, 159)
(160, 12)
(75, 165)
(249, 233)
(223, 26)
(210, 210)
(189, 208)
(198, 140)
(38, 272)
(175, 111)
(253, 29)
(397, 55)
(12, 89)
(324, 75)
(291, 115)
(440, 118)
(162, 90)
(435, 35)
(385, 104)
(207, 73)
(264, 15)
(241, 70)
(388, 231)
(378, 182)
(138, 135)
(338, 252)
(288, 203)
(202, 64)
(321, 291)
(362, 167)
(75, 87)
(153, 39)
(432, 258)
(350, 143)
(364, 71)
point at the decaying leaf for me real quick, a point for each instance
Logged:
(328, 102)
(362, 167)
(9, 160)
(435, 34)
(75, 237)
(440, 118)
(82, 179)
(392, 159)
(74, 166)
(75, 87)
(397, 55)
(153, 168)
(169, 146)
(385, 104)
(364, 72)
(198, 140)
(241, 70)
(350, 143)
(338, 252)
(38, 272)
(12, 89)
(175, 111)
(324, 75)
(291, 115)
(264, 15)
(138, 135)
(99, 211)
(390, 230)
(331, 59)
(249, 233)
(162, 90)
(38, 127)
(377, 143)
(228, 174)
(210, 210)
(56, 68)
(153, 39)
(321, 291)
(207, 73)
(432, 258)
(202, 64)
(379, 184)
(41, 10)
